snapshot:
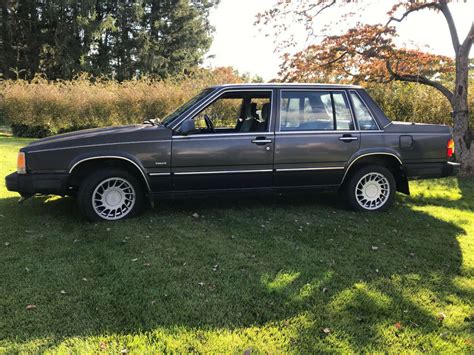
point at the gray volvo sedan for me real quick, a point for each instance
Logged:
(240, 138)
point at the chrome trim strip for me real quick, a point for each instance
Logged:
(114, 157)
(344, 91)
(207, 101)
(364, 155)
(223, 172)
(317, 132)
(97, 145)
(223, 135)
(309, 169)
(159, 174)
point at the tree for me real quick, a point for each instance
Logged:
(368, 53)
(123, 39)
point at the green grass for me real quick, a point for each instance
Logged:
(256, 273)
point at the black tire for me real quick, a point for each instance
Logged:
(376, 201)
(132, 206)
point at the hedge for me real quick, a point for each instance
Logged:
(40, 108)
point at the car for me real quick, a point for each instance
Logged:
(240, 138)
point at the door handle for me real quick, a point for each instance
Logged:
(261, 141)
(348, 138)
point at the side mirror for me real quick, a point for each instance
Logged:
(187, 126)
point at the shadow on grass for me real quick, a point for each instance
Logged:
(242, 262)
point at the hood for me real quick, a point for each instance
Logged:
(97, 136)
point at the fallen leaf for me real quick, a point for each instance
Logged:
(147, 264)
(102, 345)
(247, 352)
(441, 317)
(31, 306)
(326, 331)
(124, 351)
(398, 325)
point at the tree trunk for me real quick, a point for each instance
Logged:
(462, 132)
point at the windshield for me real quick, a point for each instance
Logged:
(170, 118)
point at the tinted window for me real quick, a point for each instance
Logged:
(314, 111)
(362, 113)
(236, 112)
(172, 116)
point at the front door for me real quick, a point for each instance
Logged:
(315, 138)
(228, 145)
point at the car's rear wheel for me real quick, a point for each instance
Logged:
(110, 195)
(371, 188)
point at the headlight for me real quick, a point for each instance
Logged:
(21, 163)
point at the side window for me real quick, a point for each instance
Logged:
(364, 118)
(236, 112)
(314, 111)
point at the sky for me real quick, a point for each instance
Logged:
(244, 46)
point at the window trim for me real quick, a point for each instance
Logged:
(368, 110)
(330, 91)
(203, 105)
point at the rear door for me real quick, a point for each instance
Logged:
(315, 137)
(235, 153)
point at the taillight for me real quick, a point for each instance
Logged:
(450, 148)
(21, 163)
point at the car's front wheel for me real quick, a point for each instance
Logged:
(110, 195)
(371, 188)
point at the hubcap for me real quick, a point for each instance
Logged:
(113, 198)
(372, 191)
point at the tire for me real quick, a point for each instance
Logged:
(370, 189)
(119, 195)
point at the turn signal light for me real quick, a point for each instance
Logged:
(21, 163)
(450, 148)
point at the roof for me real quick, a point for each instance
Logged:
(286, 85)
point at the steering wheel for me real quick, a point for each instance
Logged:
(209, 123)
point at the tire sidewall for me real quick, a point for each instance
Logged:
(88, 186)
(349, 191)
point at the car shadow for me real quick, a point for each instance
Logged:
(223, 264)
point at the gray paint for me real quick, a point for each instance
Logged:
(169, 161)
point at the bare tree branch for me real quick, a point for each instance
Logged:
(420, 79)
(452, 27)
(467, 44)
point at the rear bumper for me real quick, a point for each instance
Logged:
(432, 170)
(30, 184)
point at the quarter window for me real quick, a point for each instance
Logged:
(314, 111)
(364, 117)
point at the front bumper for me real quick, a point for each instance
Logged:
(30, 184)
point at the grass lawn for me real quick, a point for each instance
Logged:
(295, 273)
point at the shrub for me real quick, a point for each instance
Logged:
(411, 102)
(40, 108)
